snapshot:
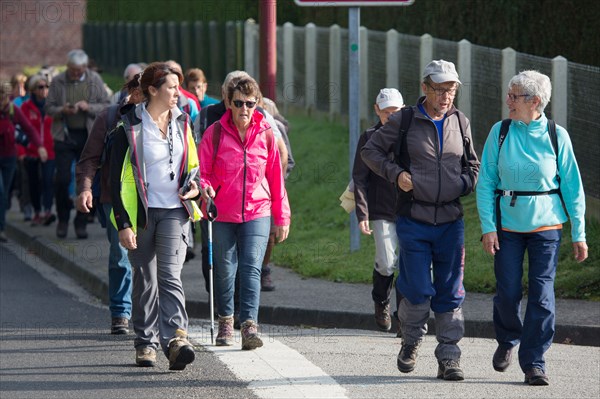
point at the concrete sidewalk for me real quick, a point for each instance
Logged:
(296, 301)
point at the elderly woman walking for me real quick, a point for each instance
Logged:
(242, 171)
(525, 181)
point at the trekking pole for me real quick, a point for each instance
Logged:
(211, 215)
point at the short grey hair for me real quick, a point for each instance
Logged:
(35, 79)
(131, 70)
(230, 77)
(77, 57)
(533, 83)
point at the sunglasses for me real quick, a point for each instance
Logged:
(42, 87)
(240, 103)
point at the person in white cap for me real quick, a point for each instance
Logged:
(375, 199)
(435, 164)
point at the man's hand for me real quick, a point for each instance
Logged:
(364, 227)
(84, 201)
(405, 181)
(82, 105)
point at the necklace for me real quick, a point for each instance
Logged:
(170, 141)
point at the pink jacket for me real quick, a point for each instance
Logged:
(246, 176)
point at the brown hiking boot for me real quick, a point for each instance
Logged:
(382, 317)
(225, 334)
(145, 357)
(250, 339)
(181, 352)
(62, 228)
(407, 357)
(119, 326)
(449, 370)
(266, 284)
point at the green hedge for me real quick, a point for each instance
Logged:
(546, 28)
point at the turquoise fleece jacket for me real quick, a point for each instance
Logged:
(527, 162)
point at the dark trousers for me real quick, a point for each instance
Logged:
(67, 152)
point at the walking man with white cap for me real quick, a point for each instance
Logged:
(435, 164)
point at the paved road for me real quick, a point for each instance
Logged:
(54, 344)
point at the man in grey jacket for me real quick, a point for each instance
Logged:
(435, 165)
(76, 96)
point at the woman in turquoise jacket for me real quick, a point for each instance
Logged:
(520, 194)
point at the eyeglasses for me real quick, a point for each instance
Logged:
(440, 91)
(515, 97)
(240, 103)
(41, 87)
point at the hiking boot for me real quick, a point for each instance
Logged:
(145, 356)
(502, 358)
(181, 352)
(449, 370)
(80, 232)
(266, 284)
(382, 317)
(37, 220)
(407, 357)
(62, 228)
(225, 334)
(48, 219)
(536, 376)
(119, 326)
(250, 338)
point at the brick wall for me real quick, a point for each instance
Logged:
(38, 32)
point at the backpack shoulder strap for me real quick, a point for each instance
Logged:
(462, 123)
(407, 116)
(503, 132)
(216, 139)
(553, 136)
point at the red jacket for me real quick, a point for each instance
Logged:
(8, 146)
(246, 175)
(32, 112)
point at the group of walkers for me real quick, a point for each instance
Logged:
(410, 171)
(138, 166)
(164, 153)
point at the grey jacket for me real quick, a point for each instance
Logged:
(439, 179)
(57, 97)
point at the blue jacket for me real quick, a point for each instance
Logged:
(527, 162)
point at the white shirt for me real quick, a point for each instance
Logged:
(162, 191)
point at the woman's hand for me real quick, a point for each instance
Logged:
(192, 193)
(127, 239)
(490, 242)
(43, 154)
(281, 233)
(208, 192)
(580, 250)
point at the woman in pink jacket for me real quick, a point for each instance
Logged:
(241, 171)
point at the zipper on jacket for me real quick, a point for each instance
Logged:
(244, 187)
(439, 172)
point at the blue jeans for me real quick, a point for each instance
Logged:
(423, 245)
(119, 273)
(535, 333)
(8, 166)
(239, 246)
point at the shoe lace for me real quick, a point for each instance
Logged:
(225, 328)
(451, 363)
(249, 329)
(409, 351)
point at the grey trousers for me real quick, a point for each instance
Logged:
(157, 296)
(449, 327)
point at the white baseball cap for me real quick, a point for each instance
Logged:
(389, 98)
(441, 71)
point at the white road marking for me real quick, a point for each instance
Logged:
(275, 370)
